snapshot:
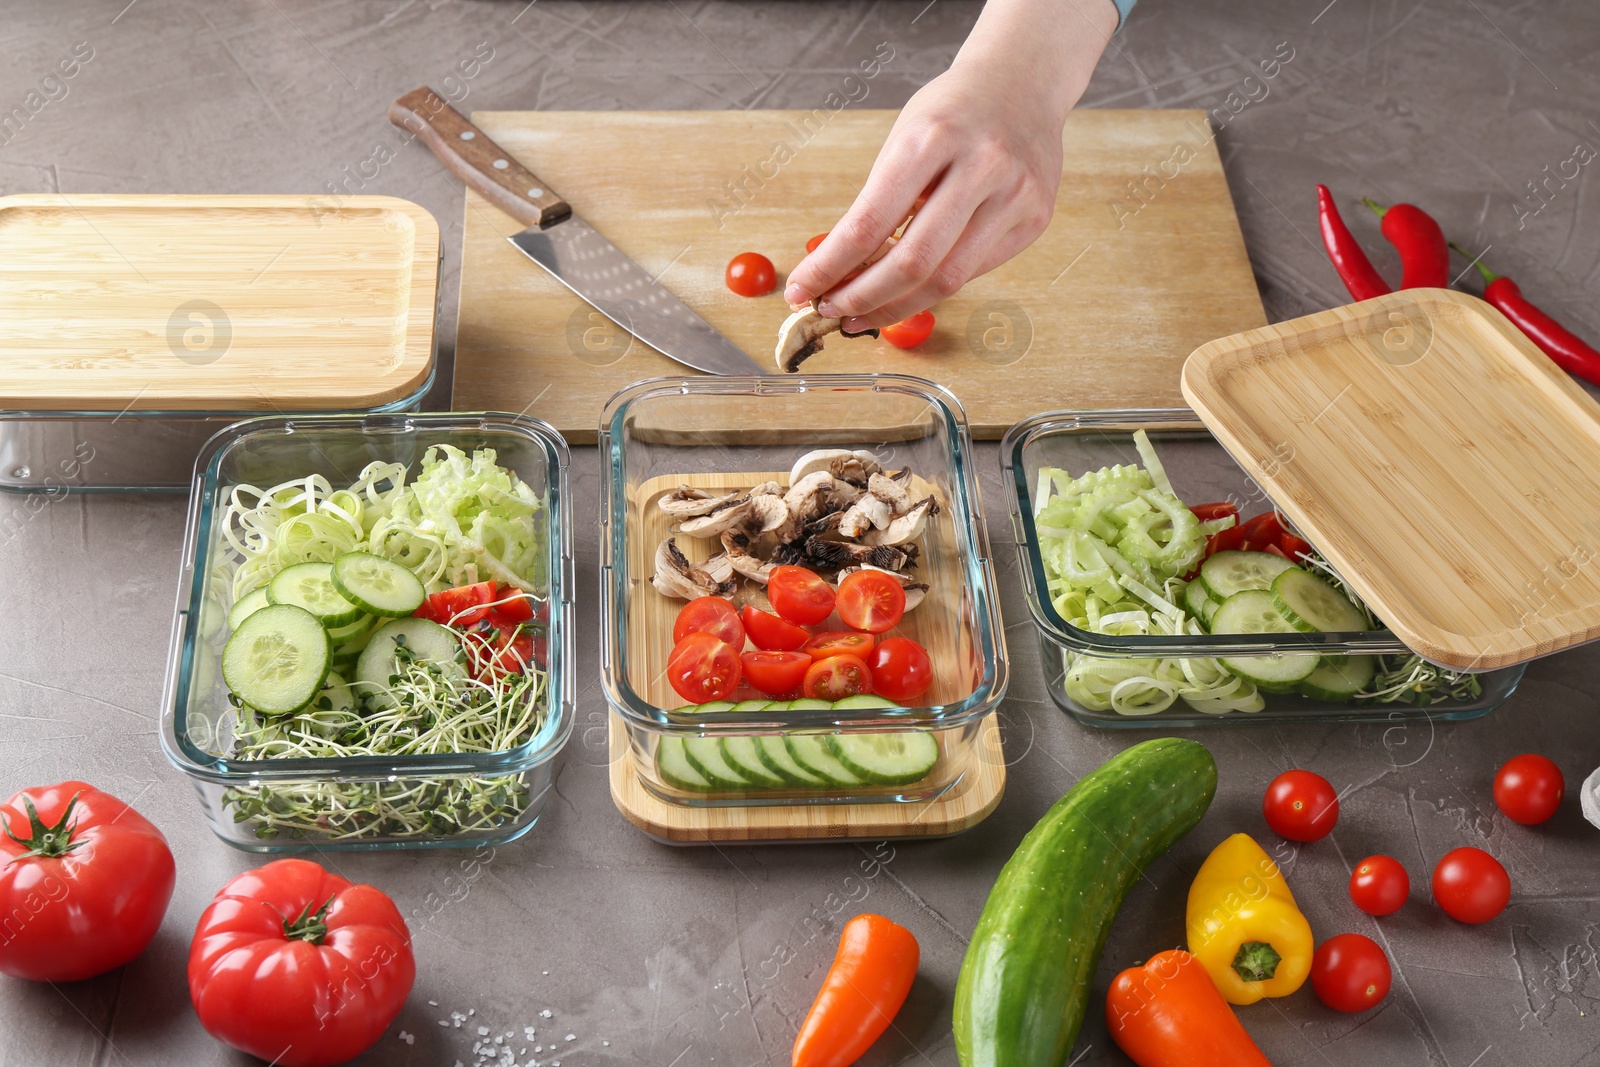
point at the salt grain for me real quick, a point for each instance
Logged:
(547, 1013)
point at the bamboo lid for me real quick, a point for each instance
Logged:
(223, 303)
(1445, 467)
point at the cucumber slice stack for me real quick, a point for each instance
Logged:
(277, 659)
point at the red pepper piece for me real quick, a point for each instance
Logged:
(1355, 269)
(1424, 254)
(1565, 348)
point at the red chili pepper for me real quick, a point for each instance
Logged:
(1424, 255)
(1568, 351)
(1355, 269)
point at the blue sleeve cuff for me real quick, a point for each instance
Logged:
(1123, 8)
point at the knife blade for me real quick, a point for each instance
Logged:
(569, 248)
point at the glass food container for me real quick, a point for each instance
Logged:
(724, 435)
(136, 326)
(1201, 471)
(361, 802)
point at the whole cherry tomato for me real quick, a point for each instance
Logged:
(1301, 806)
(811, 245)
(298, 967)
(703, 668)
(1379, 885)
(752, 274)
(1349, 972)
(709, 614)
(84, 882)
(770, 633)
(909, 333)
(1529, 788)
(1470, 885)
(901, 669)
(799, 596)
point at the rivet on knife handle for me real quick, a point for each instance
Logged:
(477, 160)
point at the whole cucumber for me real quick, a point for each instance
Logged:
(1026, 978)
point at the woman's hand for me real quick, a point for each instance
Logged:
(982, 144)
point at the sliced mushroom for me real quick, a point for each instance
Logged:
(915, 590)
(800, 337)
(871, 512)
(675, 576)
(736, 548)
(816, 495)
(688, 501)
(851, 466)
(907, 527)
(835, 555)
(753, 514)
(891, 492)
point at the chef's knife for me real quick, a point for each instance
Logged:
(565, 245)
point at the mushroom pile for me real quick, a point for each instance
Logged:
(841, 513)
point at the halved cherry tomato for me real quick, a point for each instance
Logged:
(871, 601)
(501, 653)
(752, 274)
(837, 677)
(800, 596)
(1275, 551)
(901, 669)
(1261, 531)
(838, 643)
(909, 333)
(775, 673)
(770, 633)
(702, 668)
(513, 605)
(811, 245)
(1294, 547)
(712, 615)
(1231, 538)
(463, 606)
(1207, 512)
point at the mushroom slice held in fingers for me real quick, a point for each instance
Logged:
(800, 337)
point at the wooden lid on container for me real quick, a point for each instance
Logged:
(226, 303)
(1446, 468)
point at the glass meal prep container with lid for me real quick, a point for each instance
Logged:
(444, 774)
(712, 437)
(136, 326)
(1084, 665)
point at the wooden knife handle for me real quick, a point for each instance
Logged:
(476, 160)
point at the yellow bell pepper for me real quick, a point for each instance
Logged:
(1243, 924)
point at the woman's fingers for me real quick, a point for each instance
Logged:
(893, 185)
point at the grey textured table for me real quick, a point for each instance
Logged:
(622, 951)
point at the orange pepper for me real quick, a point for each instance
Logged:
(1168, 1013)
(869, 980)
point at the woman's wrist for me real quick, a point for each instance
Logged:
(1046, 49)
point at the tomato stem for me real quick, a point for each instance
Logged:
(47, 841)
(308, 925)
(1256, 961)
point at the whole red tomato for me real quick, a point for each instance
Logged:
(299, 967)
(1301, 806)
(1529, 788)
(1470, 885)
(1379, 885)
(84, 882)
(1349, 972)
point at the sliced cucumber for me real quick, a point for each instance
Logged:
(351, 632)
(277, 659)
(746, 706)
(1232, 571)
(811, 752)
(310, 586)
(675, 770)
(377, 585)
(887, 759)
(334, 709)
(1253, 612)
(810, 704)
(426, 641)
(1195, 599)
(1311, 605)
(776, 757)
(1208, 611)
(744, 755)
(705, 755)
(247, 605)
(1338, 678)
(862, 703)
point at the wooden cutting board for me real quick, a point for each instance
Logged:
(1442, 464)
(1143, 261)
